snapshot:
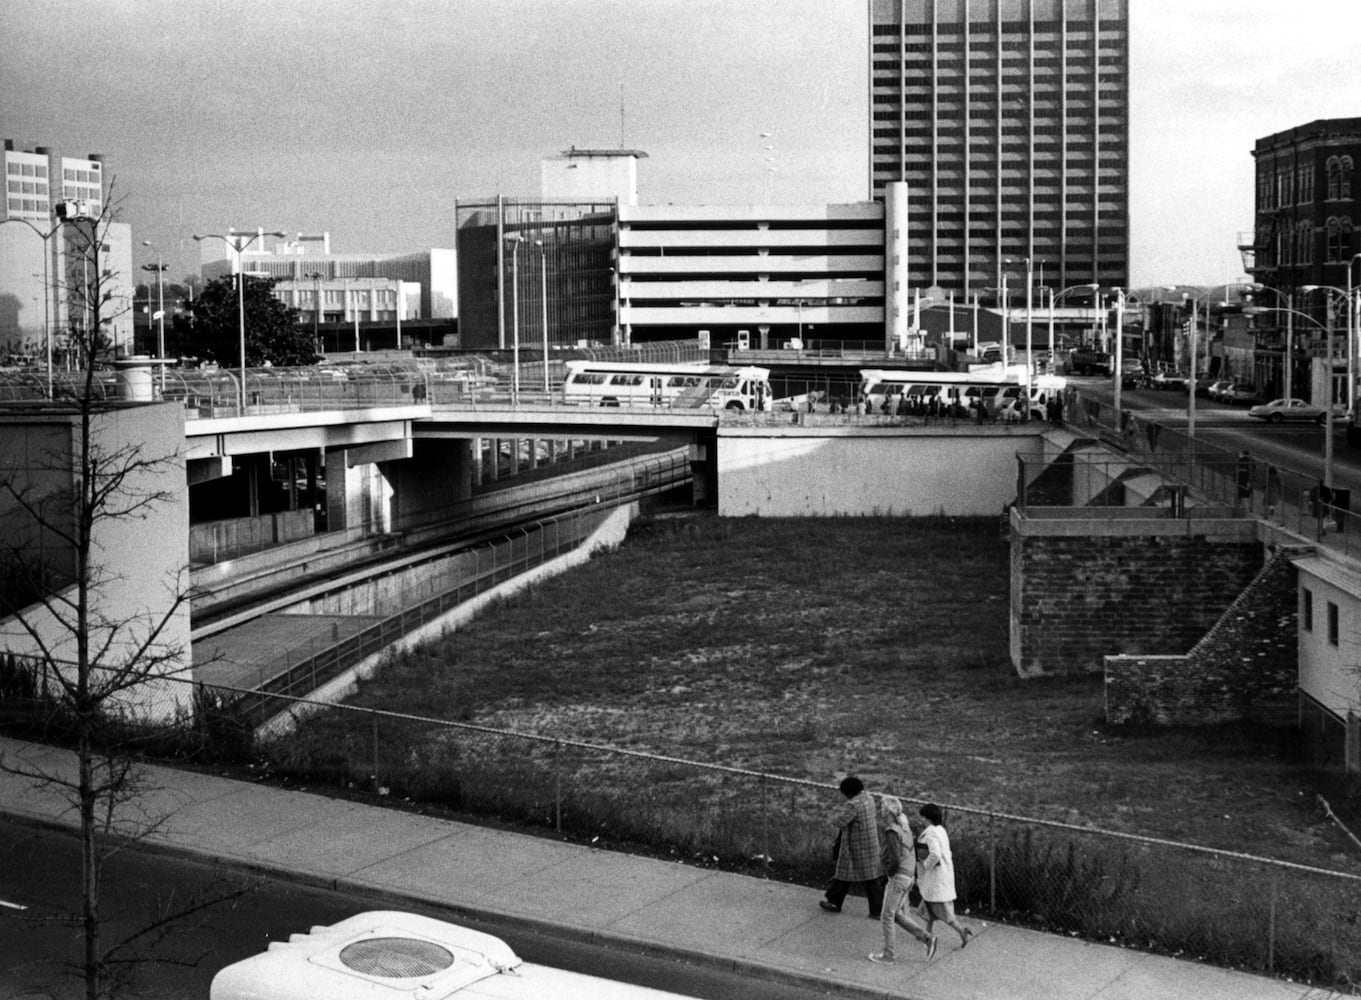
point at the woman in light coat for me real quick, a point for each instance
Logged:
(936, 874)
(899, 864)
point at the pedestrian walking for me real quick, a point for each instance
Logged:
(856, 850)
(900, 868)
(936, 874)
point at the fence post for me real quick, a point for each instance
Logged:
(1271, 930)
(373, 713)
(765, 822)
(992, 863)
(557, 785)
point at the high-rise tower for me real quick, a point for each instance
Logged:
(1009, 122)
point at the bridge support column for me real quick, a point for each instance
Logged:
(358, 492)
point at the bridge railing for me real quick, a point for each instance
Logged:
(1281, 494)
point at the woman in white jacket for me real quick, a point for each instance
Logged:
(936, 874)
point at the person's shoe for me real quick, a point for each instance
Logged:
(881, 958)
(931, 948)
(829, 906)
(968, 936)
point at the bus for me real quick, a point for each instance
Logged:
(396, 954)
(996, 388)
(679, 385)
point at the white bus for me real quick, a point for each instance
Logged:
(995, 387)
(394, 954)
(622, 383)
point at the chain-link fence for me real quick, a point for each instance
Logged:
(1223, 907)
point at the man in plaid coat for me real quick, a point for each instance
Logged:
(857, 851)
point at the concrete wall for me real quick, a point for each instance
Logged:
(1244, 668)
(139, 558)
(789, 470)
(1083, 589)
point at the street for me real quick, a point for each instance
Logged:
(39, 891)
(1296, 446)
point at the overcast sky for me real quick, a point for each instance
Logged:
(370, 118)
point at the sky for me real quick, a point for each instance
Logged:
(369, 119)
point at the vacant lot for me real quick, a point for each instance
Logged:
(815, 647)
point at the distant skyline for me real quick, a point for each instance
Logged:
(369, 120)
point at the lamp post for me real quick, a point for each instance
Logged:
(47, 290)
(1348, 297)
(316, 310)
(1029, 360)
(515, 242)
(1289, 366)
(543, 288)
(233, 240)
(1191, 363)
(159, 267)
(1055, 297)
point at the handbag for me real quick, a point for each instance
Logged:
(836, 848)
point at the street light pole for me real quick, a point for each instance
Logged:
(1029, 296)
(543, 281)
(159, 268)
(515, 319)
(1191, 380)
(234, 241)
(316, 310)
(47, 290)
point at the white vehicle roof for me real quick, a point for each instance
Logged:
(660, 368)
(394, 955)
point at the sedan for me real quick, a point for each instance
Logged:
(1240, 392)
(1287, 409)
(1217, 389)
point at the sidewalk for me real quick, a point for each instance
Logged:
(762, 928)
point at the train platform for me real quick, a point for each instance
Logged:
(760, 928)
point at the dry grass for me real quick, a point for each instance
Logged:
(813, 648)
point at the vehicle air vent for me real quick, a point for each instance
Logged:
(395, 957)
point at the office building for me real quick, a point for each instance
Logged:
(36, 251)
(1008, 121)
(347, 289)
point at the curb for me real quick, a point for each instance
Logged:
(533, 925)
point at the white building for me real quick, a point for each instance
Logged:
(344, 287)
(42, 301)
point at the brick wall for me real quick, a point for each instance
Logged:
(1083, 590)
(1245, 667)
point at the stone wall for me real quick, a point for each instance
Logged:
(1087, 588)
(1245, 667)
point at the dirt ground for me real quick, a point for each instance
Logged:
(878, 646)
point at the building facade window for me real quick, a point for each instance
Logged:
(1307, 609)
(1332, 624)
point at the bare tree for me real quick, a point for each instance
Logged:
(93, 603)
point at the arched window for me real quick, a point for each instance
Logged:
(1334, 168)
(1339, 239)
(1344, 177)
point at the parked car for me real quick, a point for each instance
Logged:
(1240, 392)
(1203, 382)
(1279, 410)
(1170, 380)
(1218, 388)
